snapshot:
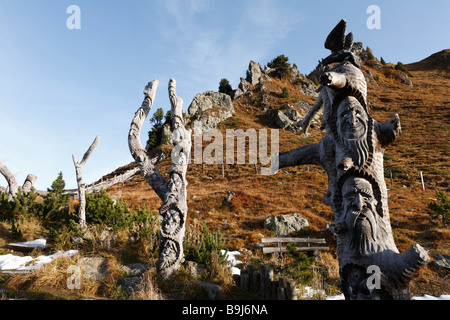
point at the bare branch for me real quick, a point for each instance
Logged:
(81, 187)
(89, 151)
(28, 183)
(138, 152)
(12, 183)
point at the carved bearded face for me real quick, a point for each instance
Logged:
(168, 254)
(172, 221)
(359, 213)
(352, 126)
(175, 187)
(351, 119)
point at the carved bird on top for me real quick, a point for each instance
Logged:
(340, 45)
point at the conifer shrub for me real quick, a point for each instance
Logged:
(225, 87)
(440, 208)
(300, 268)
(370, 55)
(21, 206)
(200, 243)
(281, 65)
(400, 66)
(155, 134)
(54, 210)
(101, 209)
(284, 93)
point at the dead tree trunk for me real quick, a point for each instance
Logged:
(29, 182)
(13, 187)
(172, 192)
(80, 182)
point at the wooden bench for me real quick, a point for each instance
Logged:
(306, 244)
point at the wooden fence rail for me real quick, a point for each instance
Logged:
(306, 244)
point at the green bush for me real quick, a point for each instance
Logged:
(21, 206)
(382, 61)
(284, 93)
(440, 208)
(101, 209)
(300, 269)
(200, 243)
(400, 66)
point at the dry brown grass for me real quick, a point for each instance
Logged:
(52, 281)
(148, 288)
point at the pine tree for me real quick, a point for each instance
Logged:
(281, 65)
(155, 134)
(56, 198)
(225, 87)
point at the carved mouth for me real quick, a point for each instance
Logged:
(354, 132)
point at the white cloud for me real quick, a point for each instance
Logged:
(209, 49)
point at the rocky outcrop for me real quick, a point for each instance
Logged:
(210, 108)
(287, 117)
(257, 76)
(254, 73)
(285, 224)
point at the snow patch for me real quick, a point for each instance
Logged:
(232, 261)
(12, 263)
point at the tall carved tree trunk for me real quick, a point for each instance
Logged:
(352, 155)
(172, 192)
(80, 182)
(13, 187)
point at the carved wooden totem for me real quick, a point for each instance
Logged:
(172, 192)
(370, 264)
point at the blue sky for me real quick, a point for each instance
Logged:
(60, 88)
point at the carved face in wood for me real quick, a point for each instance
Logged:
(142, 159)
(351, 119)
(176, 186)
(168, 255)
(172, 221)
(352, 126)
(359, 214)
(178, 130)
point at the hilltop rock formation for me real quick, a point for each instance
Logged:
(258, 76)
(210, 108)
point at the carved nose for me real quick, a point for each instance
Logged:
(353, 119)
(359, 203)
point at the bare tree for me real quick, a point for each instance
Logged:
(29, 182)
(81, 185)
(13, 187)
(172, 192)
